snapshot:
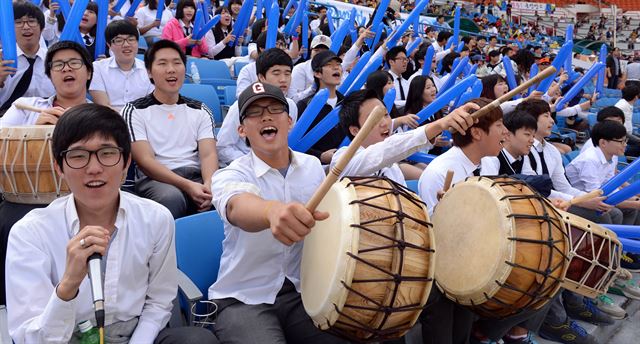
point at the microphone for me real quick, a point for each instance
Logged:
(95, 275)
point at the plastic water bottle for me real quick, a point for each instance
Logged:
(88, 333)
(195, 74)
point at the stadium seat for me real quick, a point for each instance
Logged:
(142, 45)
(140, 57)
(229, 95)
(209, 69)
(198, 250)
(603, 102)
(611, 93)
(206, 94)
(237, 67)
(413, 185)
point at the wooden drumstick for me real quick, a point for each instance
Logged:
(27, 107)
(582, 198)
(378, 113)
(507, 96)
(447, 180)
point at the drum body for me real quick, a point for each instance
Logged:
(594, 257)
(367, 270)
(502, 248)
(28, 175)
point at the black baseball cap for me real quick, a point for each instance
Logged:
(322, 58)
(256, 91)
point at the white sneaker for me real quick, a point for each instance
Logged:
(607, 305)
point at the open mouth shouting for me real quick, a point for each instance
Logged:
(172, 81)
(269, 132)
(69, 79)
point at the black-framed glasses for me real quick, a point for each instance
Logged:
(120, 40)
(31, 22)
(74, 64)
(623, 141)
(78, 158)
(256, 111)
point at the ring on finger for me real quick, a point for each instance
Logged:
(82, 243)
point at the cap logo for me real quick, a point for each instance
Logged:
(258, 88)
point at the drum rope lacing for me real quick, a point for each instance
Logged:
(540, 293)
(396, 277)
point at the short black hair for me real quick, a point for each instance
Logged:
(444, 36)
(420, 55)
(180, 8)
(494, 53)
(484, 123)
(27, 8)
(393, 53)
(261, 42)
(447, 62)
(493, 37)
(610, 112)
(520, 120)
(377, 81)
(82, 122)
(120, 27)
(256, 28)
(607, 130)
(150, 54)
(629, 92)
(71, 45)
(272, 57)
(534, 107)
(350, 111)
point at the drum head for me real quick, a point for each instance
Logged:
(472, 227)
(325, 263)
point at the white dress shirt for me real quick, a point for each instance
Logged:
(432, 178)
(230, 145)
(140, 279)
(587, 144)
(561, 187)
(146, 16)
(440, 52)
(381, 159)
(254, 265)
(627, 108)
(40, 85)
(246, 77)
(15, 117)
(120, 86)
(589, 170)
(397, 81)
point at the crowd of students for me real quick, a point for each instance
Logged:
(247, 172)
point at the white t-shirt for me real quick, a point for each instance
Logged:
(147, 16)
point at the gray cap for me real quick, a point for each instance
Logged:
(256, 91)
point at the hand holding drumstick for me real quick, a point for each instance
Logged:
(47, 116)
(447, 184)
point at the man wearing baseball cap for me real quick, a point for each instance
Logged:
(261, 198)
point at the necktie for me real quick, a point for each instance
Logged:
(545, 170)
(186, 31)
(401, 88)
(517, 166)
(22, 86)
(87, 40)
(476, 172)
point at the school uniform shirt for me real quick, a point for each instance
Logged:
(505, 163)
(173, 131)
(230, 145)
(432, 179)
(381, 159)
(254, 265)
(174, 30)
(15, 117)
(146, 16)
(553, 159)
(400, 82)
(140, 278)
(589, 170)
(246, 77)
(40, 85)
(121, 86)
(218, 49)
(440, 52)
(627, 108)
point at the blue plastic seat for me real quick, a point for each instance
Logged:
(142, 44)
(230, 95)
(237, 67)
(199, 248)
(206, 94)
(413, 185)
(209, 69)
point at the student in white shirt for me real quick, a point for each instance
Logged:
(630, 95)
(174, 145)
(397, 60)
(593, 167)
(274, 68)
(260, 198)
(120, 78)
(381, 150)
(28, 23)
(219, 37)
(69, 67)
(151, 28)
(440, 43)
(248, 75)
(513, 158)
(49, 292)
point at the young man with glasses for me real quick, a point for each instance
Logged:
(49, 292)
(69, 68)
(120, 78)
(397, 60)
(174, 145)
(28, 79)
(260, 197)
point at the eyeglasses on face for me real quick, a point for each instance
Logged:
(120, 40)
(31, 22)
(78, 158)
(256, 111)
(74, 64)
